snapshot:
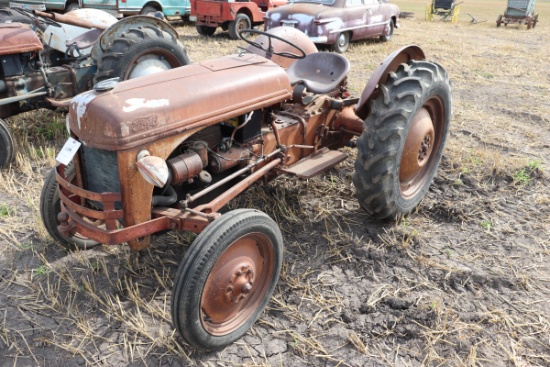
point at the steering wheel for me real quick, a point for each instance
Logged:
(269, 52)
(36, 19)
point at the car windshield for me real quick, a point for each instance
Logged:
(323, 2)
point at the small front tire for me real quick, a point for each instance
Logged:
(50, 206)
(7, 145)
(226, 279)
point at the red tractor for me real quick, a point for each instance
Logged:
(230, 15)
(168, 151)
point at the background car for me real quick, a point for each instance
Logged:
(337, 22)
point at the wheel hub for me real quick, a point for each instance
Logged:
(240, 284)
(236, 284)
(418, 147)
(149, 64)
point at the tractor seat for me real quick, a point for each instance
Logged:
(85, 40)
(320, 72)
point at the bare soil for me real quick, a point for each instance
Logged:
(462, 281)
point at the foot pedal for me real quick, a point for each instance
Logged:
(316, 163)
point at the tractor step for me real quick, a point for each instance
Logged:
(316, 163)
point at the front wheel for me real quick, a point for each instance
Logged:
(141, 51)
(7, 145)
(50, 206)
(226, 279)
(342, 43)
(402, 143)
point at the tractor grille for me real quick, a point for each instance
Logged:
(100, 172)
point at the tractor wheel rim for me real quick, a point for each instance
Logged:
(237, 284)
(151, 63)
(421, 147)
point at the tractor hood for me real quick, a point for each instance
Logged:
(18, 38)
(142, 110)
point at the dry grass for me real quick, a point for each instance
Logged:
(463, 281)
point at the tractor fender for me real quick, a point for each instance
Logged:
(380, 75)
(122, 26)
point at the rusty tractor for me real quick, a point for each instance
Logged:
(48, 58)
(167, 152)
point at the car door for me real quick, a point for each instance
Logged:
(376, 22)
(100, 4)
(355, 18)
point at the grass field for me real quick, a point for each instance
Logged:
(463, 281)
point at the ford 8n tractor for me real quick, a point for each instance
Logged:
(167, 152)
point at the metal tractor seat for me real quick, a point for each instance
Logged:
(319, 72)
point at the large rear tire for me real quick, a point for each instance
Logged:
(7, 145)
(50, 206)
(141, 51)
(226, 279)
(402, 143)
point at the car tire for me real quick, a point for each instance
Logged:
(148, 10)
(141, 51)
(389, 32)
(402, 143)
(342, 43)
(71, 6)
(205, 30)
(242, 21)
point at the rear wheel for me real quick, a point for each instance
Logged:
(7, 145)
(148, 10)
(241, 22)
(205, 30)
(389, 32)
(342, 43)
(141, 51)
(50, 206)
(402, 143)
(226, 279)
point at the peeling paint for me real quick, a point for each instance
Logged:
(137, 103)
(80, 103)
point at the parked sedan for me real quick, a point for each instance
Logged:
(337, 22)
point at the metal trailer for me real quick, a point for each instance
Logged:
(445, 9)
(519, 12)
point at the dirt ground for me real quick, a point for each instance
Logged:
(462, 281)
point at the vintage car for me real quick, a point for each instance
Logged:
(337, 22)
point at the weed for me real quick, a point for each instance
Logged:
(41, 270)
(487, 225)
(6, 211)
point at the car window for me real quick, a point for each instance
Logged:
(354, 2)
(324, 2)
(370, 2)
